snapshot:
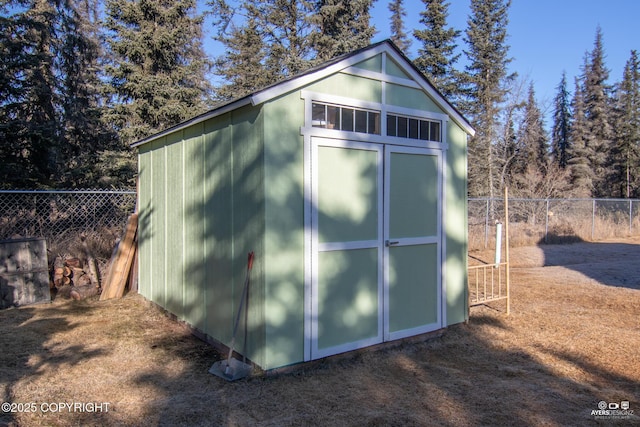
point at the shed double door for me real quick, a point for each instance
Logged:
(376, 244)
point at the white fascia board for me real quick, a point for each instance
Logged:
(295, 83)
(198, 119)
(434, 94)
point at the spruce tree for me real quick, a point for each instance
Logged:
(582, 174)
(507, 151)
(84, 131)
(340, 27)
(532, 138)
(436, 56)
(157, 69)
(242, 66)
(485, 89)
(561, 124)
(29, 120)
(398, 34)
(599, 136)
(286, 30)
(264, 42)
(627, 118)
(51, 103)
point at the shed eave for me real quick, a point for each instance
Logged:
(311, 77)
(429, 88)
(233, 105)
(336, 66)
(331, 67)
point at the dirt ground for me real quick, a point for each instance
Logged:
(572, 341)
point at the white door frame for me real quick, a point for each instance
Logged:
(317, 247)
(313, 246)
(399, 242)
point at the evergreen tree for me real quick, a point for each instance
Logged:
(532, 138)
(507, 151)
(561, 124)
(265, 41)
(242, 66)
(436, 56)
(599, 136)
(487, 78)
(582, 175)
(29, 121)
(285, 31)
(84, 132)
(51, 105)
(398, 35)
(627, 119)
(340, 27)
(157, 68)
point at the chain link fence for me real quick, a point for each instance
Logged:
(70, 221)
(94, 219)
(535, 221)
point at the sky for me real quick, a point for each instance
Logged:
(546, 37)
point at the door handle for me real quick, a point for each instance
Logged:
(391, 243)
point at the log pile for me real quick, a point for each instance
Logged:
(73, 278)
(78, 278)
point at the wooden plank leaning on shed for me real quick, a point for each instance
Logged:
(121, 262)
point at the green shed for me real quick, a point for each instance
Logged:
(347, 181)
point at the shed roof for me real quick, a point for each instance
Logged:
(319, 72)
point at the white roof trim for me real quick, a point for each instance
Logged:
(344, 65)
(198, 119)
(295, 83)
(433, 93)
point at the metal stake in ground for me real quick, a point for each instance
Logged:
(233, 369)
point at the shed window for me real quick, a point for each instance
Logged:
(344, 118)
(409, 127)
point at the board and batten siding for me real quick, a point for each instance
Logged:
(202, 211)
(455, 225)
(284, 230)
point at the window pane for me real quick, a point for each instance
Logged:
(347, 119)
(374, 123)
(361, 121)
(391, 125)
(413, 128)
(317, 116)
(333, 117)
(403, 124)
(424, 130)
(435, 131)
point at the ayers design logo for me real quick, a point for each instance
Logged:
(613, 410)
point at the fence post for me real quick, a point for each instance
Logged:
(486, 226)
(593, 220)
(546, 223)
(630, 218)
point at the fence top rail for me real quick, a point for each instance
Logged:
(514, 199)
(67, 192)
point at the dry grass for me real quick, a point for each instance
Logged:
(572, 340)
(557, 231)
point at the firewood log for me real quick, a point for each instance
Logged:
(85, 291)
(73, 263)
